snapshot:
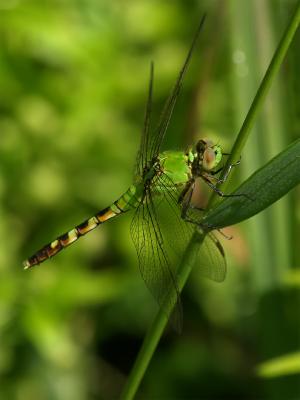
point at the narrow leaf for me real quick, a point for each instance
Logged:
(263, 188)
(279, 366)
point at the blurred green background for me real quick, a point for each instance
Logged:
(73, 84)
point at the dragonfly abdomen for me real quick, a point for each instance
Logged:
(65, 240)
(127, 201)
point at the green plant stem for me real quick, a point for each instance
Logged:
(259, 97)
(156, 329)
(152, 338)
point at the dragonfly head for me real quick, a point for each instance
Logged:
(209, 154)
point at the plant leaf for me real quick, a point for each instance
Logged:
(259, 191)
(285, 365)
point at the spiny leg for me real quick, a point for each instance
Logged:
(186, 206)
(212, 174)
(224, 234)
(185, 200)
(186, 191)
(229, 171)
(212, 248)
(219, 192)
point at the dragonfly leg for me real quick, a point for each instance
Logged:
(217, 171)
(186, 194)
(224, 234)
(185, 199)
(219, 192)
(229, 170)
(213, 173)
(212, 228)
(192, 220)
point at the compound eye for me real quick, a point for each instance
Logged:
(209, 159)
(201, 145)
(218, 154)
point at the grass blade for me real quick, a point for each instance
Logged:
(260, 95)
(262, 189)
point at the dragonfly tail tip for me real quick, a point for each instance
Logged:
(26, 264)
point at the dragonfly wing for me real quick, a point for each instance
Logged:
(151, 140)
(176, 231)
(160, 237)
(142, 155)
(159, 134)
(210, 259)
(153, 259)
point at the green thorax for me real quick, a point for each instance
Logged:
(180, 167)
(176, 166)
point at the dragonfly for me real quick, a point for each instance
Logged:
(161, 198)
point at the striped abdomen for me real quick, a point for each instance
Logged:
(126, 202)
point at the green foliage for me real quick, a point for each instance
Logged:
(73, 83)
(259, 191)
(284, 365)
(271, 182)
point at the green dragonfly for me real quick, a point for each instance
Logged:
(164, 219)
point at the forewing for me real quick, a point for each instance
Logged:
(160, 237)
(142, 155)
(159, 133)
(176, 231)
(153, 259)
(151, 141)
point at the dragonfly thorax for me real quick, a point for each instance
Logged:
(150, 170)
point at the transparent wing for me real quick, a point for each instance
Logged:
(159, 134)
(151, 141)
(142, 155)
(160, 237)
(210, 259)
(153, 259)
(176, 231)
